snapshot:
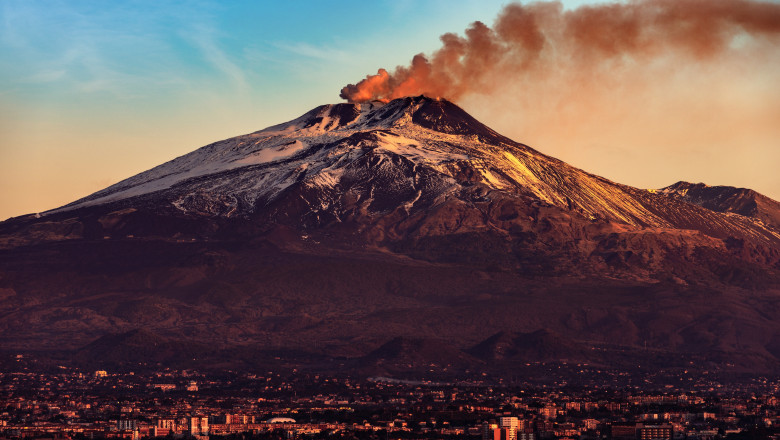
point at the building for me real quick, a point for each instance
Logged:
(164, 427)
(198, 426)
(623, 431)
(488, 430)
(510, 424)
(126, 425)
(526, 434)
(655, 432)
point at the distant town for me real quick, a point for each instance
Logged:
(70, 403)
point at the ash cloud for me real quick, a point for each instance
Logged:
(530, 41)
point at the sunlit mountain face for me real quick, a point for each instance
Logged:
(395, 233)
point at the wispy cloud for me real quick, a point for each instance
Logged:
(45, 76)
(204, 37)
(311, 51)
(121, 49)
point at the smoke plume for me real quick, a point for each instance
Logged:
(644, 92)
(529, 40)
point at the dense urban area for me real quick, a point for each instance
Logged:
(70, 403)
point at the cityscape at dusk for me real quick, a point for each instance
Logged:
(178, 403)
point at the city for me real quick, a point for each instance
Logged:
(70, 403)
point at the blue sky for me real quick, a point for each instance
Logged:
(269, 57)
(92, 92)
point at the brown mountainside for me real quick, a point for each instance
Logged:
(357, 225)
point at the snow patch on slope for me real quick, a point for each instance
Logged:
(272, 154)
(414, 150)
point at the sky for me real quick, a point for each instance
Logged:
(94, 92)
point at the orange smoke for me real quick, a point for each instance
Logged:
(527, 41)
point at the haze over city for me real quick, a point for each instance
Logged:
(94, 93)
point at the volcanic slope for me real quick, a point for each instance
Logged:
(334, 146)
(741, 201)
(358, 223)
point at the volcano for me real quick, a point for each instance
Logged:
(359, 224)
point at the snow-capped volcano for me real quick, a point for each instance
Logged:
(313, 150)
(411, 152)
